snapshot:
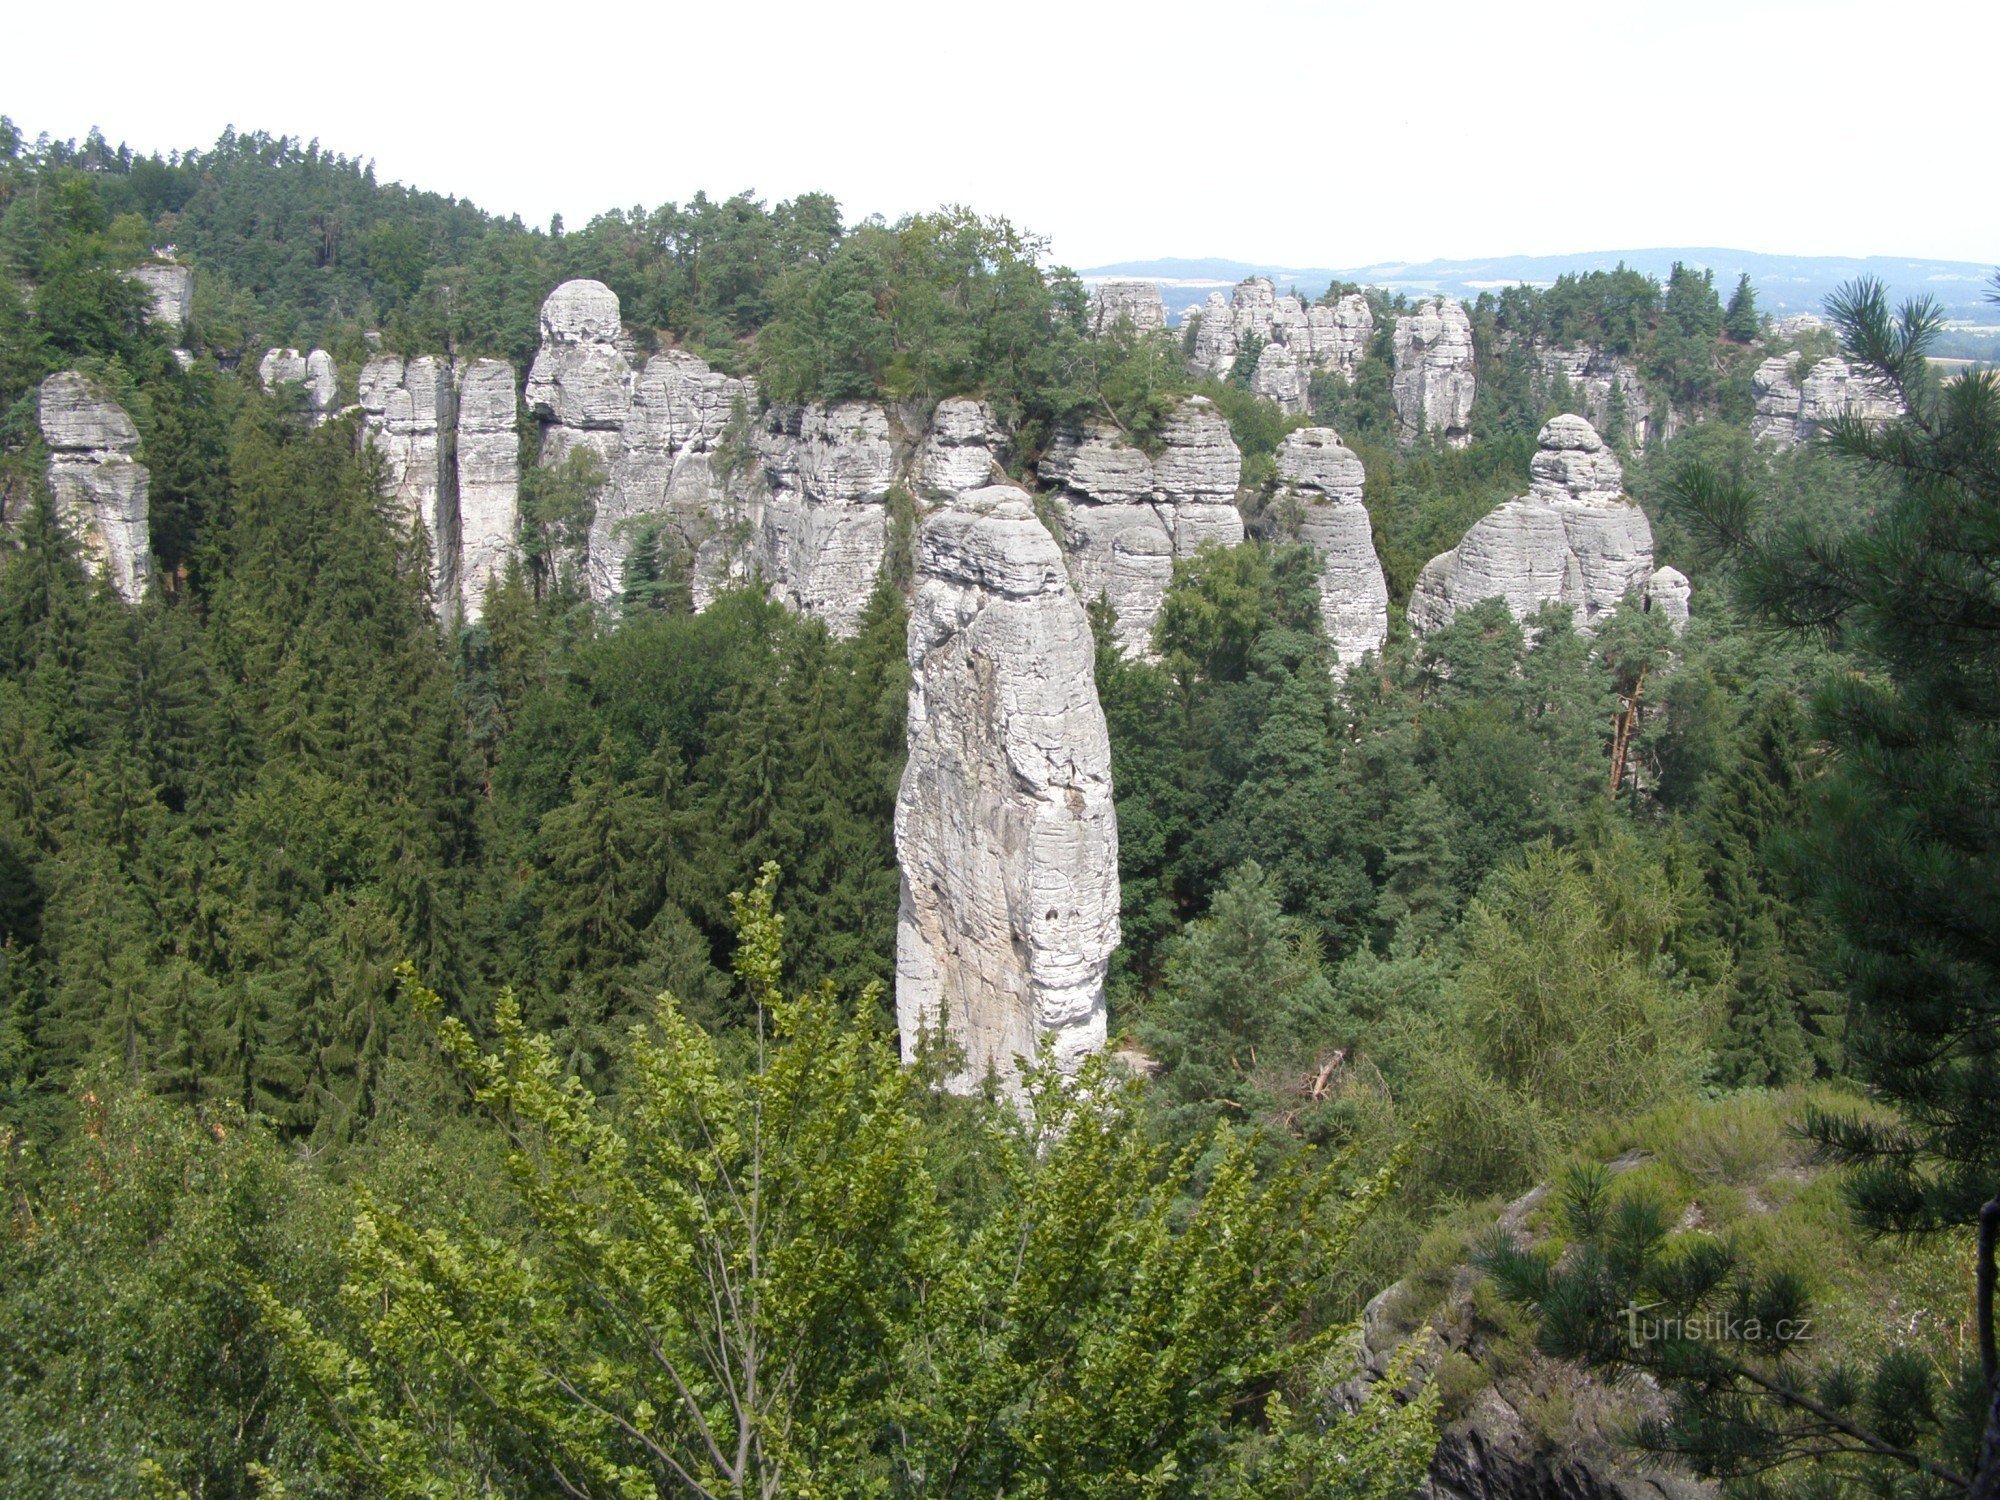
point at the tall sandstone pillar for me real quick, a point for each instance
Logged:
(1004, 824)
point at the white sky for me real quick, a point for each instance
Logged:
(1328, 134)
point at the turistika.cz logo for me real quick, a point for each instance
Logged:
(1710, 1328)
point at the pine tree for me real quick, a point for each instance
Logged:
(1740, 320)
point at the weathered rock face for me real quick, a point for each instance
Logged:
(1434, 382)
(956, 454)
(1321, 479)
(1788, 412)
(1297, 340)
(1573, 539)
(1004, 824)
(1125, 517)
(1613, 396)
(100, 486)
(315, 371)
(408, 410)
(1137, 302)
(819, 506)
(171, 287)
(489, 481)
(1668, 592)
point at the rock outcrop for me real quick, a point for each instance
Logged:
(408, 410)
(1574, 539)
(956, 453)
(489, 481)
(315, 371)
(171, 286)
(1320, 482)
(1606, 385)
(820, 506)
(100, 486)
(1125, 517)
(1136, 302)
(1434, 382)
(1005, 830)
(1787, 412)
(1295, 339)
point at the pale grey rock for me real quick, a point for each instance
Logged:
(819, 507)
(1125, 517)
(1434, 383)
(1668, 592)
(1574, 539)
(1296, 340)
(956, 454)
(407, 413)
(580, 379)
(1605, 384)
(171, 286)
(1135, 302)
(1215, 340)
(100, 488)
(1341, 334)
(1005, 829)
(316, 372)
(1785, 412)
(1321, 479)
(1798, 326)
(489, 481)
(1282, 379)
(1775, 402)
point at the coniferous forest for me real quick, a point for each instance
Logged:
(447, 1059)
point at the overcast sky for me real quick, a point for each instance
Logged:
(1330, 134)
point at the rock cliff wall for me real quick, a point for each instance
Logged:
(100, 487)
(1320, 482)
(315, 371)
(1788, 412)
(1295, 339)
(171, 286)
(1004, 824)
(1434, 381)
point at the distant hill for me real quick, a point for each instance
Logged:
(1784, 283)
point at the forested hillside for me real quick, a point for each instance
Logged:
(351, 1148)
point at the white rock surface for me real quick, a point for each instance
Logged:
(1668, 592)
(100, 487)
(1137, 302)
(1786, 412)
(1126, 517)
(1005, 829)
(1434, 381)
(1322, 478)
(1573, 539)
(580, 379)
(489, 481)
(315, 371)
(822, 521)
(1606, 385)
(171, 286)
(408, 411)
(956, 454)
(1296, 340)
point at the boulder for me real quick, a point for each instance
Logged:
(1573, 539)
(1320, 482)
(1005, 830)
(100, 487)
(1434, 382)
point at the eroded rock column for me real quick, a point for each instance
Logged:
(1004, 824)
(100, 487)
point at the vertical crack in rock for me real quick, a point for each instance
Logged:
(100, 487)
(1320, 482)
(1005, 830)
(1573, 539)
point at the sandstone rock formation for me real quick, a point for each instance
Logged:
(1320, 483)
(1788, 412)
(1125, 517)
(1608, 387)
(1004, 824)
(100, 487)
(820, 508)
(1296, 340)
(956, 453)
(1434, 381)
(1138, 302)
(1573, 539)
(408, 411)
(171, 286)
(489, 481)
(314, 371)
